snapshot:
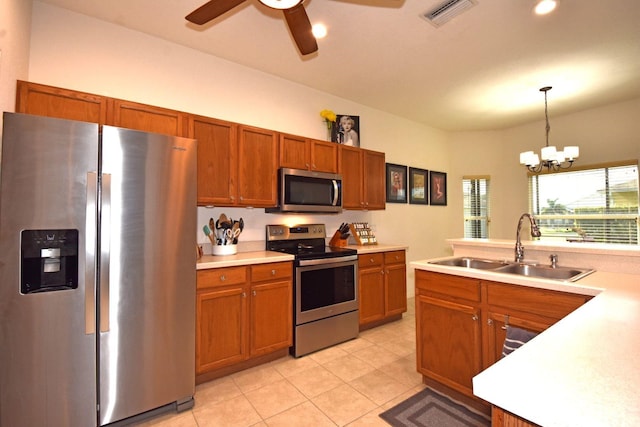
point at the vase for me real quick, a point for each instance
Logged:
(329, 131)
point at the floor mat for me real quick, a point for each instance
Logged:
(429, 408)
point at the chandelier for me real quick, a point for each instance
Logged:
(552, 159)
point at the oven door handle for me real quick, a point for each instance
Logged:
(324, 261)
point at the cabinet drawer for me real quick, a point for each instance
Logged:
(448, 285)
(370, 260)
(552, 304)
(394, 257)
(276, 270)
(221, 277)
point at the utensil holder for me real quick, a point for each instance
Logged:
(224, 249)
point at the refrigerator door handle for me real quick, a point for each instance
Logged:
(105, 233)
(90, 254)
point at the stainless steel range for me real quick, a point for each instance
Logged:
(325, 286)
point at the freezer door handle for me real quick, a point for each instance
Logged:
(105, 233)
(90, 254)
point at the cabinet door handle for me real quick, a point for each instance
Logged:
(254, 293)
(489, 322)
(474, 317)
(244, 295)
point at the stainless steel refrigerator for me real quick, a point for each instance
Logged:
(97, 273)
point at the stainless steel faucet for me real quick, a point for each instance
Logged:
(535, 232)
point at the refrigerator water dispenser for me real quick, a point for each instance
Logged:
(49, 260)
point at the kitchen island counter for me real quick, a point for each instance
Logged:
(583, 370)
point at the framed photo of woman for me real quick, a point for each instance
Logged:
(396, 183)
(438, 188)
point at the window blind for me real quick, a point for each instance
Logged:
(475, 191)
(597, 205)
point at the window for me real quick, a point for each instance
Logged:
(599, 204)
(475, 190)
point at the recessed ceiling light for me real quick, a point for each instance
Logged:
(319, 31)
(545, 6)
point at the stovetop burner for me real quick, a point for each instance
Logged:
(304, 241)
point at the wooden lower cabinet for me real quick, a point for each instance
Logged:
(382, 287)
(460, 323)
(242, 313)
(502, 418)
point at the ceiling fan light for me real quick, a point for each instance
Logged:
(545, 6)
(281, 4)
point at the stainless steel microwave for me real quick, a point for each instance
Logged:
(308, 192)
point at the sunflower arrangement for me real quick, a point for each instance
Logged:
(329, 118)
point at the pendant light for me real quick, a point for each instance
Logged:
(552, 159)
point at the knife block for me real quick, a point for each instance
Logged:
(336, 241)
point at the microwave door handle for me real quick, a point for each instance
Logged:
(335, 192)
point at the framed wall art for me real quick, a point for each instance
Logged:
(346, 130)
(396, 183)
(418, 186)
(438, 188)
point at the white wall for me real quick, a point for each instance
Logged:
(605, 134)
(15, 26)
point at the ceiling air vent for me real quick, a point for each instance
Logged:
(447, 11)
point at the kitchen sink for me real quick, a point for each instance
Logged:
(568, 274)
(482, 264)
(545, 271)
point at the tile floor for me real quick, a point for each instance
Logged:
(345, 385)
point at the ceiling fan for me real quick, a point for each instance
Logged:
(294, 14)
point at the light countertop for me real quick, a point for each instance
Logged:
(583, 370)
(262, 257)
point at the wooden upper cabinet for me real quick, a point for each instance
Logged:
(257, 167)
(217, 159)
(308, 154)
(350, 167)
(294, 151)
(363, 181)
(147, 118)
(373, 179)
(42, 100)
(324, 156)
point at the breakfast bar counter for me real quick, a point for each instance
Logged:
(583, 370)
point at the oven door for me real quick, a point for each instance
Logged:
(325, 288)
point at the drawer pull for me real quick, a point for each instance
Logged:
(223, 278)
(273, 272)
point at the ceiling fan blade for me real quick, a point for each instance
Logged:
(300, 28)
(212, 10)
